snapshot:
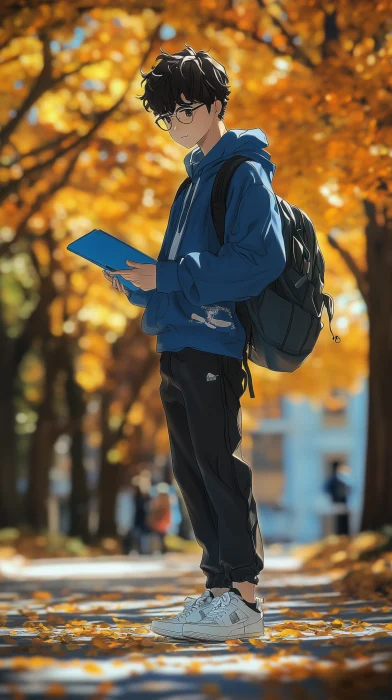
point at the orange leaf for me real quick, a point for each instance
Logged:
(257, 642)
(91, 667)
(194, 667)
(55, 689)
(42, 595)
(100, 642)
(287, 632)
(337, 623)
(111, 596)
(147, 642)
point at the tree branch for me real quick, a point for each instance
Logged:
(250, 33)
(331, 33)
(62, 76)
(360, 275)
(43, 197)
(9, 40)
(12, 8)
(14, 185)
(39, 87)
(9, 60)
(45, 147)
(297, 53)
(149, 367)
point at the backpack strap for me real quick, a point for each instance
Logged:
(219, 193)
(328, 301)
(183, 185)
(220, 190)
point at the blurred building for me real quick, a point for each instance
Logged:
(291, 456)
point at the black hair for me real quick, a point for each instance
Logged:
(195, 74)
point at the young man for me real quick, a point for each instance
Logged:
(190, 296)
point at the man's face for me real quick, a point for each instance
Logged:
(192, 123)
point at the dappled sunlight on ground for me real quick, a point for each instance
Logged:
(86, 633)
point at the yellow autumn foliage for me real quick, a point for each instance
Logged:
(323, 105)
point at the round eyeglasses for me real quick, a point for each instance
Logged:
(184, 115)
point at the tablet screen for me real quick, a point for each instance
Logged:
(108, 252)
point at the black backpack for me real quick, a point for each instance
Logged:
(283, 322)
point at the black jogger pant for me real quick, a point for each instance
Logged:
(201, 393)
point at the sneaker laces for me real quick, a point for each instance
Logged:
(190, 604)
(217, 604)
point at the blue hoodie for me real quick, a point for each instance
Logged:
(198, 280)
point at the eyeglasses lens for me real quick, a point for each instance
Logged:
(185, 116)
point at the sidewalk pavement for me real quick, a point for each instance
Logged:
(79, 628)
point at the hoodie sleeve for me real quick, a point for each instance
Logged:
(140, 297)
(252, 258)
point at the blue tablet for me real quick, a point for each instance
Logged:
(109, 253)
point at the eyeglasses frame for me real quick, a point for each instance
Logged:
(174, 114)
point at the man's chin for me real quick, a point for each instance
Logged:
(189, 144)
(186, 142)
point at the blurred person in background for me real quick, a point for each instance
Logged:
(139, 534)
(176, 515)
(159, 516)
(175, 496)
(125, 511)
(338, 487)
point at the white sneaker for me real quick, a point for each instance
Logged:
(228, 617)
(195, 609)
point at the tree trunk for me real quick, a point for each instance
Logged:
(41, 448)
(377, 510)
(9, 502)
(79, 501)
(108, 477)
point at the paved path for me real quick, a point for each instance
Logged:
(80, 628)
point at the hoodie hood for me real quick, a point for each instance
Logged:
(244, 142)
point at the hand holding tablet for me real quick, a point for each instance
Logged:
(116, 284)
(143, 275)
(113, 255)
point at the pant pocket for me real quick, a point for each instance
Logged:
(233, 389)
(232, 366)
(235, 375)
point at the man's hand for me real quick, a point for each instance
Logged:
(116, 284)
(144, 275)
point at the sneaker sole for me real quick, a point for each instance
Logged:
(167, 633)
(172, 635)
(205, 637)
(160, 628)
